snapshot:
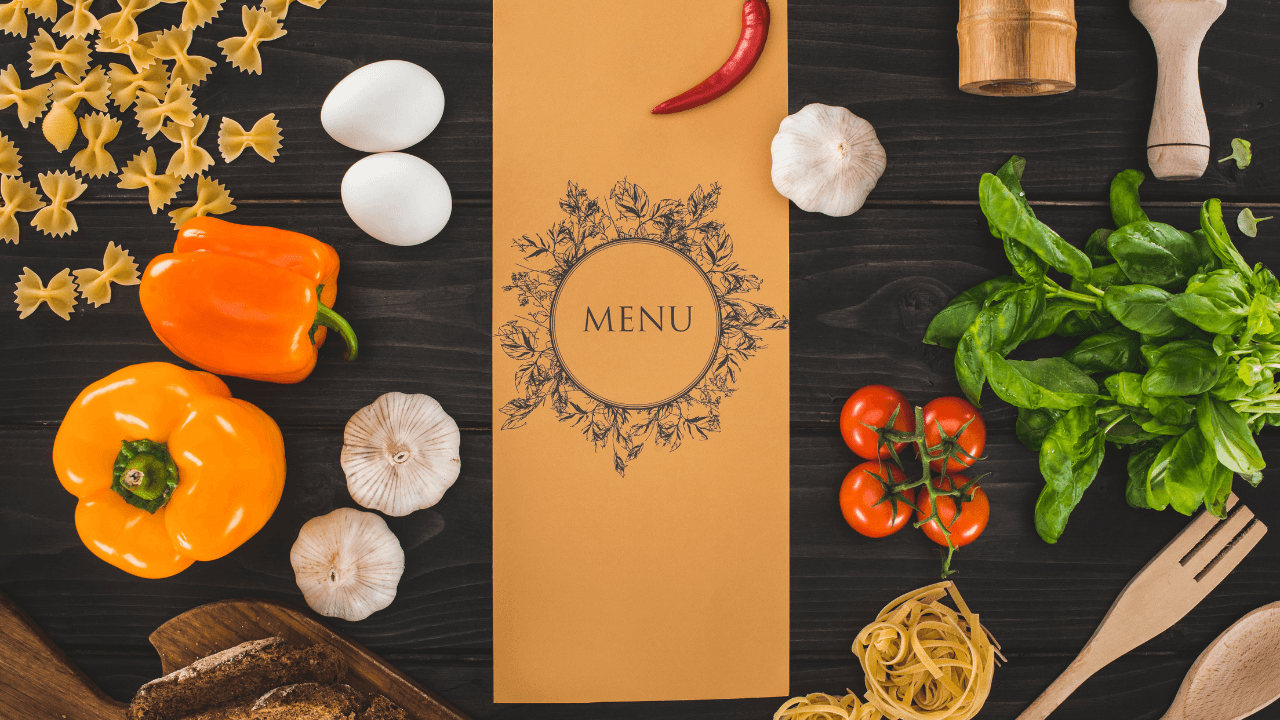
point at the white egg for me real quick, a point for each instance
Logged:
(397, 198)
(388, 105)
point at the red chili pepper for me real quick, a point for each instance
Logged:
(755, 30)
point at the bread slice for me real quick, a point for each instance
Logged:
(234, 711)
(308, 701)
(383, 709)
(246, 670)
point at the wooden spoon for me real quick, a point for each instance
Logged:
(1178, 143)
(1236, 675)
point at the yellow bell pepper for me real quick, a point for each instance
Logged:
(168, 467)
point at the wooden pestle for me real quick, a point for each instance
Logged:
(1017, 47)
(1178, 143)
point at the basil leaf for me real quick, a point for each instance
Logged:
(1191, 466)
(1143, 309)
(1051, 383)
(1219, 304)
(1135, 491)
(1026, 263)
(949, 324)
(1070, 457)
(1126, 388)
(971, 372)
(1096, 248)
(1032, 426)
(1157, 493)
(1125, 204)
(1084, 323)
(1109, 351)
(1264, 282)
(1104, 277)
(1183, 367)
(1008, 213)
(1262, 317)
(1229, 433)
(1215, 233)
(1154, 253)
(999, 328)
(1056, 311)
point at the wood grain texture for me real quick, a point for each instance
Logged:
(208, 629)
(1017, 48)
(1236, 675)
(863, 289)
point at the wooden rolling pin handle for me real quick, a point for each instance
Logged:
(1082, 668)
(1178, 143)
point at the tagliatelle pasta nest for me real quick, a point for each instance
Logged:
(924, 660)
(59, 294)
(141, 173)
(821, 706)
(117, 267)
(264, 138)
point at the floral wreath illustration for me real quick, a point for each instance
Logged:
(683, 225)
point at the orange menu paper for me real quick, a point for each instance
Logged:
(640, 359)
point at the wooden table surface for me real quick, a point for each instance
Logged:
(863, 289)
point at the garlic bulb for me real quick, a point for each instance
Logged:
(826, 159)
(347, 564)
(400, 454)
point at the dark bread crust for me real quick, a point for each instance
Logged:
(308, 701)
(383, 709)
(246, 670)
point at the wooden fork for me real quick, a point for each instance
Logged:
(1164, 591)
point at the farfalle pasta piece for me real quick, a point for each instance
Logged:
(31, 102)
(45, 53)
(61, 188)
(259, 27)
(189, 159)
(141, 173)
(264, 138)
(280, 8)
(94, 161)
(78, 22)
(211, 199)
(199, 12)
(18, 197)
(177, 106)
(126, 84)
(93, 89)
(59, 295)
(190, 69)
(10, 160)
(43, 9)
(117, 267)
(122, 26)
(138, 51)
(13, 18)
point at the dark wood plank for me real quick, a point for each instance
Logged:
(1041, 601)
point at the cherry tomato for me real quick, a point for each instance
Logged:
(952, 413)
(973, 514)
(860, 497)
(873, 405)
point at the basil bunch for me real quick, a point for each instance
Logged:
(1179, 350)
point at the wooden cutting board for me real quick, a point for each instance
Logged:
(38, 682)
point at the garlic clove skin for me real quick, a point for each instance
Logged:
(347, 564)
(400, 454)
(827, 160)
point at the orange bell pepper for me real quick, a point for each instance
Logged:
(247, 301)
(169, 468)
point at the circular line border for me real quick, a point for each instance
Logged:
(715, 350)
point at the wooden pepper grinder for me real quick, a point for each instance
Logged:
(1017, 47)
(1178, 144)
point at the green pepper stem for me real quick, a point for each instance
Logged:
(145, 476)
(334, 321)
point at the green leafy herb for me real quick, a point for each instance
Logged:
(1248, 224)
(1241, 152)
(1183, 333)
